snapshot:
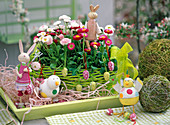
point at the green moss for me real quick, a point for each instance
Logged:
(155, 59)
(154, 95)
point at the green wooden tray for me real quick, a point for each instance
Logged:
(63, 108)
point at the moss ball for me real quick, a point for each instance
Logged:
(154, 59)
(154, 95)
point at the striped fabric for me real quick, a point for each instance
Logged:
(5, 119)
(99, 117)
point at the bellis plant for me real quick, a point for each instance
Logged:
(64, 46)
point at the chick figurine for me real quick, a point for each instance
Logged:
(128, 95)
(49, 88)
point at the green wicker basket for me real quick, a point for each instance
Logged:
(72, 81)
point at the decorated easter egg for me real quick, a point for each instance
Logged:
(86, 74)
(111, 65)
(106, 76)
(133, 117)
(109, 112)
(79, 87)
(92, 86)
(126, 115)
(65, 72)
(30, 89)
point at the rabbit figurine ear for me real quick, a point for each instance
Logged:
(91, 8)
(20, 46)
(31, 48)
(96, 8)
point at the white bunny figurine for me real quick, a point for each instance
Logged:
(22, 70)
(92, 25)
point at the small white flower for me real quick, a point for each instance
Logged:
(74, 24)
(163, 31)
(40, 38)
(62, 26)
(45, 39)
(56, 27)
(156, 29)
(43, 33)
(57, 23)
(43, 27)
(124, 25)
(69, 26)
(110, 27)
(167, 19)
(67, 20)
(38, 34)
(50, 30)
(64, 17)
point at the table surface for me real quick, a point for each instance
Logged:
(36, 122)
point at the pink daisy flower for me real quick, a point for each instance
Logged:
(108, 42)
(84, 34)
(71, 46)
(65, 41)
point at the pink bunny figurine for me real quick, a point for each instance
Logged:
(92, 25)
(22, 70)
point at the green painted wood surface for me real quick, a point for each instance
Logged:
(65, 107)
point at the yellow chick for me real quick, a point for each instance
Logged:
(128, 95)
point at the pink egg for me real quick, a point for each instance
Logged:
(86, 74)
(30, 89)
(109, 112)
(133, 117)
(111, 65)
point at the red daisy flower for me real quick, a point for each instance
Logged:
(95, 43)
(52, 34)
(55, 40)
(77, 37)
(87, 50)
(108, 31)
(82, 30)
(103, 37)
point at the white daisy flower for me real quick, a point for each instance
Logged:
(74, 24)
(38, 34)
(50, 30)
(64, 17)
(110, 27)
(43, 33)
(45, 39)
(43, 28)
(40, 38)
(57, 23)
(124, 25)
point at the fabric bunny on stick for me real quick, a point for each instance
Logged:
(92, 25)
(23, 82)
